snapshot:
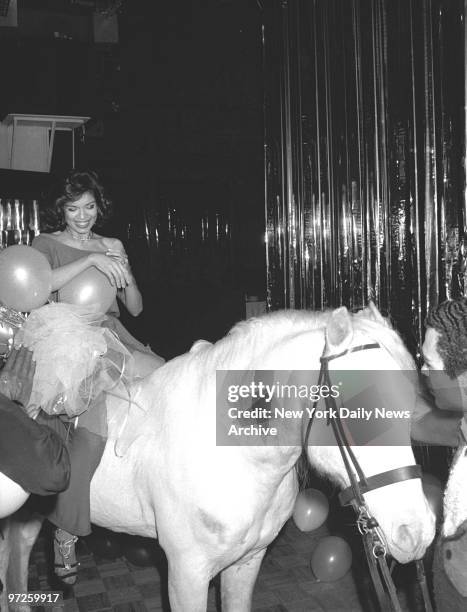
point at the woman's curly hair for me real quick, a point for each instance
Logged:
(449, 319)
(69, 189)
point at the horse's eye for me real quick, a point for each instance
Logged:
(448, 554)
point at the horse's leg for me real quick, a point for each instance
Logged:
(188, 584)
(24, 529)
(4, 558)
(238, 581)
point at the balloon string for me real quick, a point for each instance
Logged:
(122, 427)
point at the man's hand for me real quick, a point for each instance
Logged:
(17, 376)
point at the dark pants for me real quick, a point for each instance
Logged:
(72, 509)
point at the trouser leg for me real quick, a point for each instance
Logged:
(72, 510)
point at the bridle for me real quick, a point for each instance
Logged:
(375, 544)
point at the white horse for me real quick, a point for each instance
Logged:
(217, 508)
(12, 496)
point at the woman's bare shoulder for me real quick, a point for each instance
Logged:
(110, 243)
(55, 236)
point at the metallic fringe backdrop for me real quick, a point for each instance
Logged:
(19, 221)
(365, 140)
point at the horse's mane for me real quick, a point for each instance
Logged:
(239, 349)
(246, 337)
(386, 336)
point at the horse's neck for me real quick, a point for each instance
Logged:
(279, 345)
(294, 352)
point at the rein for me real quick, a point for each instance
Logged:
(374, 542)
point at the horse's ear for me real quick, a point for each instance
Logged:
(375, 314)
(339, 331)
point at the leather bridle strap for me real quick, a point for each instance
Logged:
(384, 479)
(373, 538)
(374, 542)
(345, 449)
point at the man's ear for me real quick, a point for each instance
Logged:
(339, 331)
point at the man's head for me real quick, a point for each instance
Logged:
(445, 345)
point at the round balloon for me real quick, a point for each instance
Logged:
(91, 287)
(433, 490)
(25, 278)
(12, 496)
(331, 559)
(311, 509)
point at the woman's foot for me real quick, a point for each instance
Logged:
(65, 556)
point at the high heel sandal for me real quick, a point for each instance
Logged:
(65, 556)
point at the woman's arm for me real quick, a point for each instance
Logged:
(114, 270)
(129, 295)
(62, 275)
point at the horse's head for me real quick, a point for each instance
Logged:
(400, 508)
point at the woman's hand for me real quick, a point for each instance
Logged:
(17, 376)
(130, 295)
(120, 256)
(118, 274)
(116, 250)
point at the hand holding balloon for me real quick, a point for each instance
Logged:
(113, 268)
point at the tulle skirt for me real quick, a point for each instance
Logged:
(76, 358)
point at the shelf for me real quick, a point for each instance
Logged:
(27, 141)
(61, 122)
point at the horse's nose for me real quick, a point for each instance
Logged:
(406, 539)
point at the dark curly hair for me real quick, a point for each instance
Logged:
(69, 189)
(449, 319)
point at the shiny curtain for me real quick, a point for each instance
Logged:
(19, 221)
(365, 144)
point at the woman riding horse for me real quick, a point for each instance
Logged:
(215, 509)
(79, 205)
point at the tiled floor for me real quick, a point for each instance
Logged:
(285, 582)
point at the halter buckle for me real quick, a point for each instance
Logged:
(363, 519)
(379, 550)
(368, 525)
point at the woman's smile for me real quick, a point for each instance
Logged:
(81, 214)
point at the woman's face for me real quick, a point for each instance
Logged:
(81, 214)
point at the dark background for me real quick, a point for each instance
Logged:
(176, 132)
